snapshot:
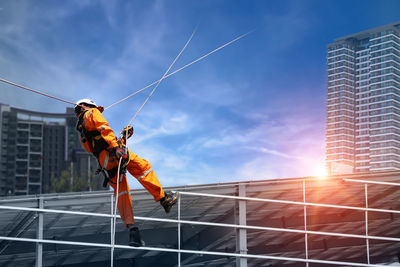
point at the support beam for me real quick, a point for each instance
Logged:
(241, 234)
(39, 235)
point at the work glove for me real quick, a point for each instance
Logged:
(121, 152)
(127, 132)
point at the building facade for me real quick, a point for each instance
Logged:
(37, 147)
(363, 102)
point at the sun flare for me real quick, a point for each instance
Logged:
(320, 172)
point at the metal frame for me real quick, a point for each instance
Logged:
(241, 227)
(242, 232)
(305, 222)
(39, 246)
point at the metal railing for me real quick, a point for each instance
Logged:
(39, 240)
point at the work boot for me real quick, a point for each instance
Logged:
(134, 237)
(169, 200)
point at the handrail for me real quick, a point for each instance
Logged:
(225, 254)
(179, 221)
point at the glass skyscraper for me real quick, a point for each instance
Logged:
(363, 102)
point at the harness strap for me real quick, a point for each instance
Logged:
(106, 161)
(96, 141)
(108, 175)
(98, 144)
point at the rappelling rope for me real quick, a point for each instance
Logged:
(126, 145)
(36, 91)
(162, 78)
(144, 88)
(115, 215)
(148, 97)
(178, 70)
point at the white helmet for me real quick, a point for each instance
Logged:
(85, 101)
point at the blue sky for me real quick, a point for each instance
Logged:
(254, 110)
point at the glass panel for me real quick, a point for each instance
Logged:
(35, 160)
(36, 145)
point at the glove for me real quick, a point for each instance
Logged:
(127, 132)
(121, 152)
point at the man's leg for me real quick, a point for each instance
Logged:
(143, 172)
(126, 211)
(124, 200)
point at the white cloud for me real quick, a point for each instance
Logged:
(59, 70)
(159, 122)
(273, 168)
(271, 151)
(257, 169)
(171, 168)
(209, 89)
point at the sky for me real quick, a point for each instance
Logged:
(254, 110)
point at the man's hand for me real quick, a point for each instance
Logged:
(127, 132)
(121, 152)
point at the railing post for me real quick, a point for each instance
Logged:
(242, 233)
(112, 230)
(39, 235)
(112, 219)
(179, 232)
(305, 221)
(366, 222)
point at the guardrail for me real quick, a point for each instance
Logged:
(243, 255)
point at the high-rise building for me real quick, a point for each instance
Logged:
(36, 147)
(363, 103)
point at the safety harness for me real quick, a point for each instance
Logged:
(98, 144)
(94, 138)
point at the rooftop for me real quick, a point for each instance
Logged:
(273, 232)
(367, 33)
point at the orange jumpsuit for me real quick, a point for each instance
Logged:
(93, 122)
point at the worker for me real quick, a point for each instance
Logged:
(98, 138)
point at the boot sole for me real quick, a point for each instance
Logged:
(136, 244)
(173, 202)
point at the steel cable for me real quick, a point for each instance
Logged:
(126, 147)
(35, 91)
(184, 67)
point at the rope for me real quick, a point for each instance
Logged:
(163, 77)
(115, 215)
(178, 70)
(36, 91)
(126, 147)
(144, 88)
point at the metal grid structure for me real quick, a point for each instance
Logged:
(338, 221)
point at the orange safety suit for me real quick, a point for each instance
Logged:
(98, 138)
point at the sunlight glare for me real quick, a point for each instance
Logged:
(321, 172)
